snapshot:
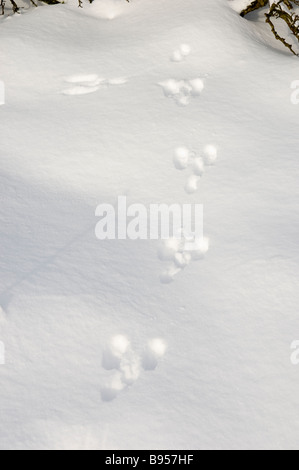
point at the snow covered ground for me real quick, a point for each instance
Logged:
(100, 351)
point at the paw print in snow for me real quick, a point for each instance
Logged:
(180, 253)
(181, 53)
(127, 365)
(181, 91)
(184, 159)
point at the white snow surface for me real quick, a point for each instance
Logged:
(107, 344)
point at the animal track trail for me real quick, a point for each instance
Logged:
(185, 159)
(86, 84)
(127, 365)
(179, 253)
(182, 91)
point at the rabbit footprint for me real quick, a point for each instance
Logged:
(181, 53)
(181, 91)
(180, 253)
(127, 365)
(184, 159)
